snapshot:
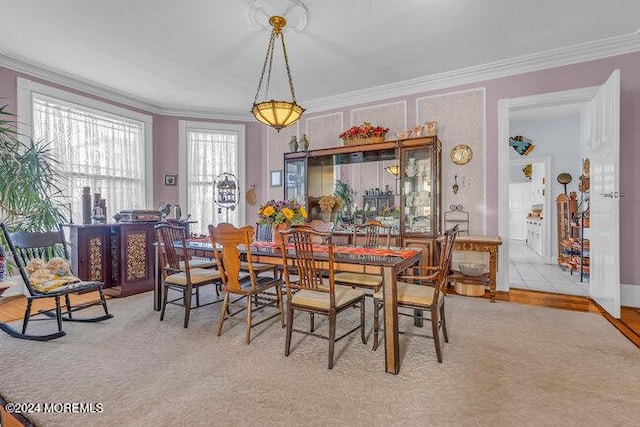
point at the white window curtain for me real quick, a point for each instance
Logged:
(101, 151)
(209, 153)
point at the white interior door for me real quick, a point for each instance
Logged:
(605, 228)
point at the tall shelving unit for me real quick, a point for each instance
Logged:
(567, 207)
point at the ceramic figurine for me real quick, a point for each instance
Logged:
(304, 143)
(431, 128)
(293, 144)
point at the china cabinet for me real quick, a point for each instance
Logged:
(416, 196)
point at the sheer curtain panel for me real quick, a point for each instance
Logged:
(209, 153)
(95, 149)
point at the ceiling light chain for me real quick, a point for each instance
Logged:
(277, 114)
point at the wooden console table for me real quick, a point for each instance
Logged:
(480, 244)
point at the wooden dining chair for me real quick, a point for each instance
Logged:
(263, 233)
(254, 293)
(425, 293)
(310, 293)
(374, 234)
(179, 272)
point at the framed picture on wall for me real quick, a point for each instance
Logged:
(276, 178)
(171, 180)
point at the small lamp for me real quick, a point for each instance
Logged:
(393, 170)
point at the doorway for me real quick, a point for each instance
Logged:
(554, 122)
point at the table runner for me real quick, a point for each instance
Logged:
(402, 253)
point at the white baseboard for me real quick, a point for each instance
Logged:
(630, 295)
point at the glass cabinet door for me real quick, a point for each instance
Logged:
(295, 173)
(419, 191)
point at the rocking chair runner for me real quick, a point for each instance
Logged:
(25, 247)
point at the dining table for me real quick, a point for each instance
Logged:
(386, 262)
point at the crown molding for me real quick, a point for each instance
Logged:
(590, 51)
(206, 114)
(72, 81)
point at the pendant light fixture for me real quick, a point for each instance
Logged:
(277, 114)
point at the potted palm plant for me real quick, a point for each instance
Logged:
(31, 197)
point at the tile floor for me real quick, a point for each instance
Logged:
(528, 271)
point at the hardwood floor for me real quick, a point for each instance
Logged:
(12, 308)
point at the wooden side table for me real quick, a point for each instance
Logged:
(480, 244)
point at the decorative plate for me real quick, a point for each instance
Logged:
(461, 154)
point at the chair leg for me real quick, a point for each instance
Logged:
(280, 305)
(247, 326)
(312, 323)
(287, 344)
(59, 314)
(27, 315)
(164, 301)
(198, 297)
(223, 312)
(332, 336)
(362, 335)
(443, 319)
(67, 302)
(103, 300)
(187, 305)
(436, 333)
(376, 325)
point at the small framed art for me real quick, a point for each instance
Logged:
(276, 178)
(171, 180)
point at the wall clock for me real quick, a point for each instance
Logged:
(461, 154)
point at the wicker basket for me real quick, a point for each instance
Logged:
(362, 141)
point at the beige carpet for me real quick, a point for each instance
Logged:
(506, 364)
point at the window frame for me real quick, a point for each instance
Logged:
(27, 88)
(184, 126)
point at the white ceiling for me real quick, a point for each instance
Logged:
(202, 55)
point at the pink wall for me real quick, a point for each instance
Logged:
(591, 73)
(165, 140)
(165, 159)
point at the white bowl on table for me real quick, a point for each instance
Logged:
(472, 268)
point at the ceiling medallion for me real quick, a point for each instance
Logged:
(259, 12)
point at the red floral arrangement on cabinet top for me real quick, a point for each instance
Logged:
(363, 131)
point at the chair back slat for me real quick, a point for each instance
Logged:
(376, 234)
(226, 240)
(310, 275)
(168, 235)
(264, 232)
(26, 246)
(446, 253)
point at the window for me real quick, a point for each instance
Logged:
(107, 151)
(206, 151)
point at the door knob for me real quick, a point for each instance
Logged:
(609, 195)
